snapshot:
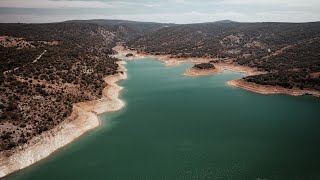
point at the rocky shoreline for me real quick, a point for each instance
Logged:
(84, 118)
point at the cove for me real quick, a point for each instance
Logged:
(177, 127)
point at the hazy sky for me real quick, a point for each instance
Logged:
(174, 11)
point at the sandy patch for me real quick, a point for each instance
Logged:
(7, 41)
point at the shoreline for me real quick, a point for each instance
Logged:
(269, 90)
(84, 118)
(220, 66)
(164, 58)
(228, 65)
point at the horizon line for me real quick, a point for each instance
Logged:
(136, 21)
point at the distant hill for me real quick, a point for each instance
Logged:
(145, 26)
(127, 30)
(225, 38)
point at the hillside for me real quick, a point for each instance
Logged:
(44, 70)
(289, 51)
(127, 31)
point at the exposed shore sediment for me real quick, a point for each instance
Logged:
(266, 89)
(83, 118)
(166, 59)
(220, 67)
(193, 72)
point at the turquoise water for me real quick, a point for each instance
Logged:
(177, 127)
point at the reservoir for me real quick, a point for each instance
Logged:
(177, 127)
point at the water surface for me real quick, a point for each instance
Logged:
(177, 127)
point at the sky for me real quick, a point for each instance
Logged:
(166, 11)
